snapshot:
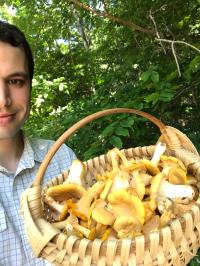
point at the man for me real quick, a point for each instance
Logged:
(19, 157)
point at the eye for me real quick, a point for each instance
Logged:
(16, 82)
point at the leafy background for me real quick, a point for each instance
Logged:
(96, 55)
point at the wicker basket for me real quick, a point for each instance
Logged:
(175, 244)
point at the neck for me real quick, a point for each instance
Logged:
(11, 151)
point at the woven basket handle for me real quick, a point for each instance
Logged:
(80, 124)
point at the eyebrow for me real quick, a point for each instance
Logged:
(18, 74)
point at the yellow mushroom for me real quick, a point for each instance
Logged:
(127, 165)
(62, 209)
(121, 203)
(148, 210)
(152, 165)
(72, 227)
(161, 189)
(127, 226)
(106, 189)
(166, 217)
(155, 185)
(177, 176)
(120, 179)
(103, 216)
(171, 161)
(77, 173)
(135, 170)
(66, 191)
(164, 204)
(82, 207)
(137, 173)
(177, 193)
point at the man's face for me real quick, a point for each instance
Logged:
(14, 90)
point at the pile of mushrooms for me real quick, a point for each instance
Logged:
(137, 196)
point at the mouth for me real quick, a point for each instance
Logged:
(6, 119)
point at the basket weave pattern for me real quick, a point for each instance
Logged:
(175, 244)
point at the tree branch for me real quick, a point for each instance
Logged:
(176, 60)
(180, 42)
(127, 23)
(173, 50)
(156, 29)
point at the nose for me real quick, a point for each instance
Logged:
(5, 99)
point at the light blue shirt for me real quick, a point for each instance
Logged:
(14, 246)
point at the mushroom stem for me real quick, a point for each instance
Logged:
(90, 234)
(83, 205)
(152, 165)
(53, 204)
(159, 150)
(62, 209)
(76, 173)
(183, 193)
(119, 178)
(106, 189)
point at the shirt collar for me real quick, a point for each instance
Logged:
(34, 151)
(27, 159)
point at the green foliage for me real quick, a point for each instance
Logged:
(85, 64)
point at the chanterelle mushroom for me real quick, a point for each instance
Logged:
(121, 203)
(82, 209)
(127, 226)
(103, 216)
(152, 165)
(171, 161)
(66, 191)
(136, 171)
(177, 176)
(161, 188)
(62, 209)
(178, 193)
(77, 172)
(120, 180)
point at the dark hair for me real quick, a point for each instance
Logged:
(15, 37)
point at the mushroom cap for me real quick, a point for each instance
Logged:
(154, 191)
(127, 226)
(134, 167)
(177, 176)
(103, 216)
(66, 191)
(138, 185)
(151, 167)
(122, 203)
(171, 161)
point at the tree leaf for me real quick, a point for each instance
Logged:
(120, 131)
(108, 131)
(155, 77)
(116, 142)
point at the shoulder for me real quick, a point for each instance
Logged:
(42, 146)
